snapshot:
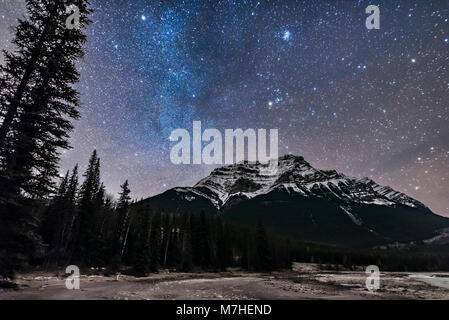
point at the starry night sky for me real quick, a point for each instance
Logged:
(365, 102)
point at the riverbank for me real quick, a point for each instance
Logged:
(304, 281)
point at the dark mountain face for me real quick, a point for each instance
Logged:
(310, 204)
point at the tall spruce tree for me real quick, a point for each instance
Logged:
(142, 249)
(124, 199)
(204, 244)
(53, 219)
(201, 240)
(186, 244)
(72, 188)
(70, 212)
(174, 245)
(86, 219)
(166, 238)
(155, 241)
(223, 251)
(36, 105)
(123, 224)
(263, 258)
(99, 218)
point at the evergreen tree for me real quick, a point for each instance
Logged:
(228, 235)
(70, 211)
(73, 186)
(58, 218)
(87, 214)
(43, 63)
(201, 240)
(123, 224)
(246, 256)
(155, 241)
(263, 259)
(36, 105)
(186, 244)
(166, 238)
(124, 199)
(63, 187)
(142, 247)
(91, 184)
(99, 220)
(221, 250)
(174, 253)
(53, 220)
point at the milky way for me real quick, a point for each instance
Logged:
(365, 102)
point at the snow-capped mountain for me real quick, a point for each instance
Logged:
(295, 175)
(299, 200)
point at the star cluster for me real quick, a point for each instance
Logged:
(365, 102)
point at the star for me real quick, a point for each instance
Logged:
(286, 35)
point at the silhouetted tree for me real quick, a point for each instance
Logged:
(186, 244)
(263, 260)
(155, 241)
(142, 263)
(37, 103)
(123, 223)
(86, 220)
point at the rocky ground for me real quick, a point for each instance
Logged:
(304, 281)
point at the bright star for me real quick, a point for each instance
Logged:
(413, 60)
(286, 35)
(143, 18)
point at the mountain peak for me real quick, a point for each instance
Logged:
(314, 204)
(246, 180)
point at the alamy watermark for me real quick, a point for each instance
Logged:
(191, 151)
(73, 20)
(373, 20)
(373, 280)
(73, 280)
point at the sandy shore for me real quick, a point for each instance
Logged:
(305, 281)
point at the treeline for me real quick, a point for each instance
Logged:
(82, 225)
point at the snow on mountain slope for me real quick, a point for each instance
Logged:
(247, 180)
